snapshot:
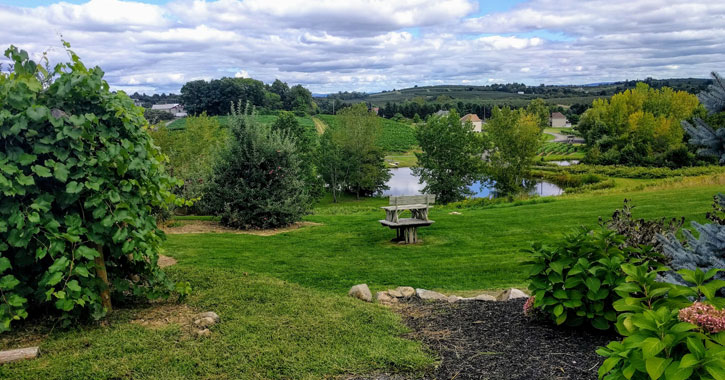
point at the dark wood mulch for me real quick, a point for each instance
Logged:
(494, 340)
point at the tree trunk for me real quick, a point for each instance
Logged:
(103, 275)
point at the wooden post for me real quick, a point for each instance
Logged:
(103, 275)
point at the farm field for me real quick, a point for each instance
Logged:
(395, 136)
(264, 119)
(282, 298)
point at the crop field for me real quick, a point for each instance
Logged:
(395, 136)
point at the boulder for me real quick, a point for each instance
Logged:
(452, 299)
(361, 291)
(510, 294)
(406, 291)
(385, 298)
(430, 295)
(204, 322)
(209, 314)
(454, 213)
(484, 297)
(395, 293)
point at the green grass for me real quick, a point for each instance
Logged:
(269, 329)
(404, 159)
(477, 250)
(282, 298)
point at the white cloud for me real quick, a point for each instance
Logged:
(332, 45)
(241, 74)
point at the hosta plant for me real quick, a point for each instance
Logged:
(80, 181)
(573, 281)
(660, 339)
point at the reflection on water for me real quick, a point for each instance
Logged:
(403, 182)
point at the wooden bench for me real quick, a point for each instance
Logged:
(407, 228)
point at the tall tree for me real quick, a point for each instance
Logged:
(450, 159)
(512, 138)
(357, 133)
(306, 141)
(540, 111)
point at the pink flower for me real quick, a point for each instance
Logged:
(529, 306)
(707, 317)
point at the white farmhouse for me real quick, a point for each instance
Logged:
(175, 109)
(475, 121)
(558, 120)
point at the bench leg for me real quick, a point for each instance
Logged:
(411, 235)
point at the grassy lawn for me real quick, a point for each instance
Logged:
(282, 298)
(404, 159)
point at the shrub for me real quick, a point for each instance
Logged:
(660, 340)
(573, 281)
(81, 181)
(156, 116)
(641, 232)
(258, 182)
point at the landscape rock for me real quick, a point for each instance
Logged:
(209, 314)
(406, 291)
(510, 294)
(454, 213)
(430, 295)
(385, 298)
(204, 322)
(203, 333)
(484, 297)
(453, 298)
(395, 293)
(361, 291)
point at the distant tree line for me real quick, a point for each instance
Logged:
(215, 96)
(147, 101)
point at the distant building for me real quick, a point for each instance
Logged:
(520, 92)
(558, 120)
(475, 121)
(376, 110)
(173, 108)
(442, 113)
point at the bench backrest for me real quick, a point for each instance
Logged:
(425, 199)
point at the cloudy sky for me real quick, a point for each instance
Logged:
(371, 45)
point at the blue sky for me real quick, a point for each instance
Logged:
(372, 45)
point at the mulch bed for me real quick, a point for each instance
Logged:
(494, 340)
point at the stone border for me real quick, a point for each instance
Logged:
(392, 296)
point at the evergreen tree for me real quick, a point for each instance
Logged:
(306, 141)
(711, 141)
(706, 251)
(258, 182)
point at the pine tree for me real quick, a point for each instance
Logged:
(711, 141)
(706, 251)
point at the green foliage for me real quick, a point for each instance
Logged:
(258, 182)
(216, 96)
(80, 178)
(657, 344)
(512, 138)
(192, 153)
(450, 159)
(573, 281)
(540, 111)
(307, 144)
(634, 171)
(350, 158)
(639, 127)
(157, 116)
(554, 148)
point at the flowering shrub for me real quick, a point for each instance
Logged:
(529, 306)
(705, 316)
(660, 340)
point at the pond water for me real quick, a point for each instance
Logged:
(565, 163)
(403, 182)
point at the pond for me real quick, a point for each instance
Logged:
(404, 182)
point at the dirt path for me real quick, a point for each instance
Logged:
(320, 125)
(206, 226)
